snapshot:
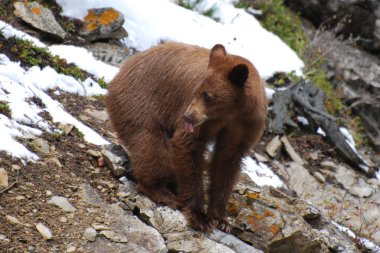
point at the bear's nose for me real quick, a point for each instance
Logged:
(188, 117)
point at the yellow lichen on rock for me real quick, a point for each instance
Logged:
(91, 26)
(253, 195)
(108, 17)
(36, 10)
(91, 17)
(94, 19)
(274, 229)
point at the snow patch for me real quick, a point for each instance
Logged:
(237, 30)
(260, 173)
(363, 241)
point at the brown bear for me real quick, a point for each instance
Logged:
(167, 104)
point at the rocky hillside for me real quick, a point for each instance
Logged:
(65, 188)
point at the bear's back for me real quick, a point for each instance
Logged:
(155, 86)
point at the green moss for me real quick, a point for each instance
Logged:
(188, 4)
(4, 109)
(78, 133)
(288, 26)
(30, 55)
(102, 83)
(4, 8)
(278, 19)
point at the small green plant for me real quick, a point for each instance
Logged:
(102, 83)
(188, 4)
(4, 109)
(3, 7)
(78, 133)
(57, 134)
(287, 25)
(191, 4)
(242, 4)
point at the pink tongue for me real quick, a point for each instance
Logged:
(189, 127)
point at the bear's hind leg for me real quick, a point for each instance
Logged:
(150, 166)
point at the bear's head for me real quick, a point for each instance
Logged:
(222, 90)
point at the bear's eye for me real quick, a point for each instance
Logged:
(206, 97)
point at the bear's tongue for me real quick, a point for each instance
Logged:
(189, 127)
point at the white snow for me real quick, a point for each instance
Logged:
(150, 22)
(363, 241)
(260, 173)
(321, 132)
(79, 56)
(303, 120)
(351, 142)
(85, 60)
(19, 88)
(8, 31)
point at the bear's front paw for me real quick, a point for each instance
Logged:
(198, 220)
(221, 224)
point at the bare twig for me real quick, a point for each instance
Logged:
(9, 187)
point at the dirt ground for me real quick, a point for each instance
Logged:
(59, 173)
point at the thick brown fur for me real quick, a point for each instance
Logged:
(167, 104)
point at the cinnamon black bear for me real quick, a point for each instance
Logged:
(167, 104)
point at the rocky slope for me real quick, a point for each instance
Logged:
(72, 198)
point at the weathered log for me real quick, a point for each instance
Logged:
(305, 99)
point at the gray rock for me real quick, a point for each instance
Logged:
(110, 53)
(103, 23)
(39, 17)
(274, 147)
(44, 231)
(115, 237)
(125, 231)
(345, 176)
(103, 245)
(93, 153)
(4, 239)
(42, 145)
(301, 181)
(88, 194)
(232, 242)
(101, 116)
(66, 128)
(360, 18)
(191, 244)
(12, 220)
(290, 150)
(3, 178)
(361, 191)
(297, 242)
(90, 234)
(319, 177)
(116, 159)
(62, 203)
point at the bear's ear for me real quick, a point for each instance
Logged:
(239, 75)
(217, 51)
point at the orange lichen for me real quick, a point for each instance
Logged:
(232, 208)
(268, 213)
(253, 195)
(259, 217)
(91, 26)
(91, 17)
(36, 10)
(251, 219)
(108, 17)
(274, 229)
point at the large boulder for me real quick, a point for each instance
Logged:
(39, 17)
